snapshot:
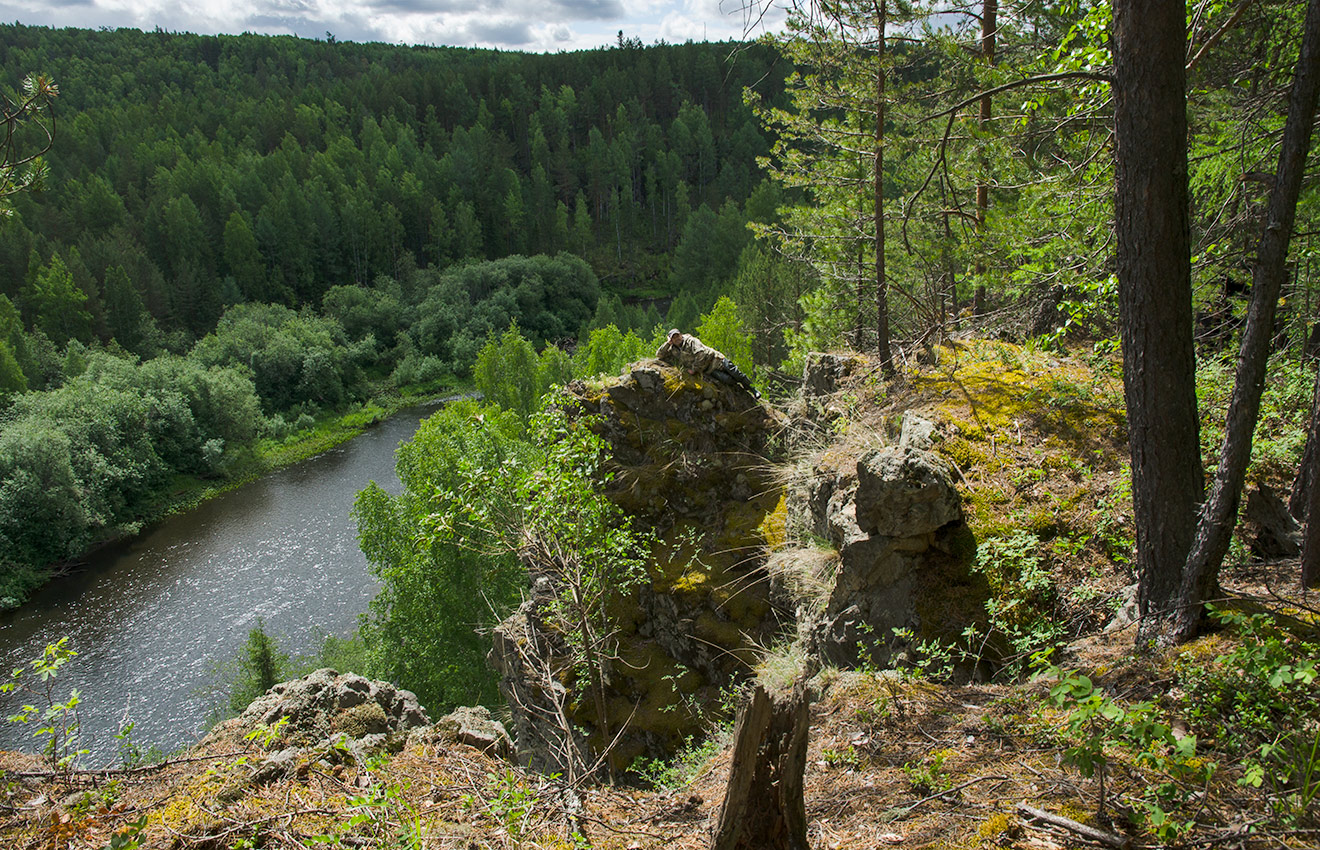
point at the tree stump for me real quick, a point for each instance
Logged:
(763, 804)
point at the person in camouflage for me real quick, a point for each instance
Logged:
(691, 354)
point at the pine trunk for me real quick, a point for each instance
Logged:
(1311, 514)
(1155, 304)
(1219, 514)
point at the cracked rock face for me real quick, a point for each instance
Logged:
(325, 702)
(905, 493)
(904, 550)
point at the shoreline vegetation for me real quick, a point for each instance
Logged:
(264, 456)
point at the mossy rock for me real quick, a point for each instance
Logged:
(361, 720)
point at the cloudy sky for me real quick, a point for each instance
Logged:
(532, 25)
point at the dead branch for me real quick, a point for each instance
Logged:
(1109, 839)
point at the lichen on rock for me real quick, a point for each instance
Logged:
(690, 464)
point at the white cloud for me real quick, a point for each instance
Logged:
(537, 25)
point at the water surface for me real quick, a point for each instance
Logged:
(150, 618)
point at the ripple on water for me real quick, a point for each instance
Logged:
(151, 618)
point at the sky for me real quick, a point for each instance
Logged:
(529, 25)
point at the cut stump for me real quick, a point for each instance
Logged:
(763, 803)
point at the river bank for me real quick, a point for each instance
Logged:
(249, 463)
(154, 618)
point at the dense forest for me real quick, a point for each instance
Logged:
(220, 170)
(266, 230)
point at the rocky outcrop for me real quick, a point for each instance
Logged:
(824, 373)
(325, 716)
(473, 726)
(904, 552)
(326, 702)
(688, 463)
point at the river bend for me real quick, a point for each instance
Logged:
(149, 618)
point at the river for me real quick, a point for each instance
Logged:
(150, 618)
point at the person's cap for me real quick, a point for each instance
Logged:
(673, 332)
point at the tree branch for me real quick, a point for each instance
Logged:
(1026, 81)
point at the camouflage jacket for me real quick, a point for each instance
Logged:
(691, 354)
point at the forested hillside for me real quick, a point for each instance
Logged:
(196, 172)
(239, 236)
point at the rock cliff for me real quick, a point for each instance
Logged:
(690, 462)
(699, 464)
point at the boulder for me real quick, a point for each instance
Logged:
(823, 373)
(1273, 531)
(918, 432)
(904, 552)
(326, 702)
(905, 493)
(473, 726)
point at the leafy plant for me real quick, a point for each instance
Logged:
(508, 800)
(685, 764)
(381, 815)
(559, 524)
(1022, 590)
(1267, 681)
(846, 757)
(128, 838)
(1258, 700)
(56, 721)
(1095, 722)
(928, 776)
(132, 754)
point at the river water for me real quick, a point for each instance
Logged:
(150, 618)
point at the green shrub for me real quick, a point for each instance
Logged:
(1023, 593)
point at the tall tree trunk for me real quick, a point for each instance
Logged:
(1219, 514)
(1155, 303)
(764, 808)
(949, 318)
(881, 282)
(1311, 515)
(1301, 488)
(989, 29)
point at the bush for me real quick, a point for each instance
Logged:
(422, 628)
(506, 373)
(608, 350)
(1023, 594)
(419, 370)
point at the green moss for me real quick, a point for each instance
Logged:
(360, 720)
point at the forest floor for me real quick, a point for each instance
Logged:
(1210, 745)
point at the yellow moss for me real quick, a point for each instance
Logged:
(989, 834)
(1006, 386)
(1071, 810)
(993, 827)
(183, 813)
(774, 528)
(962, 453)
(672, 556)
